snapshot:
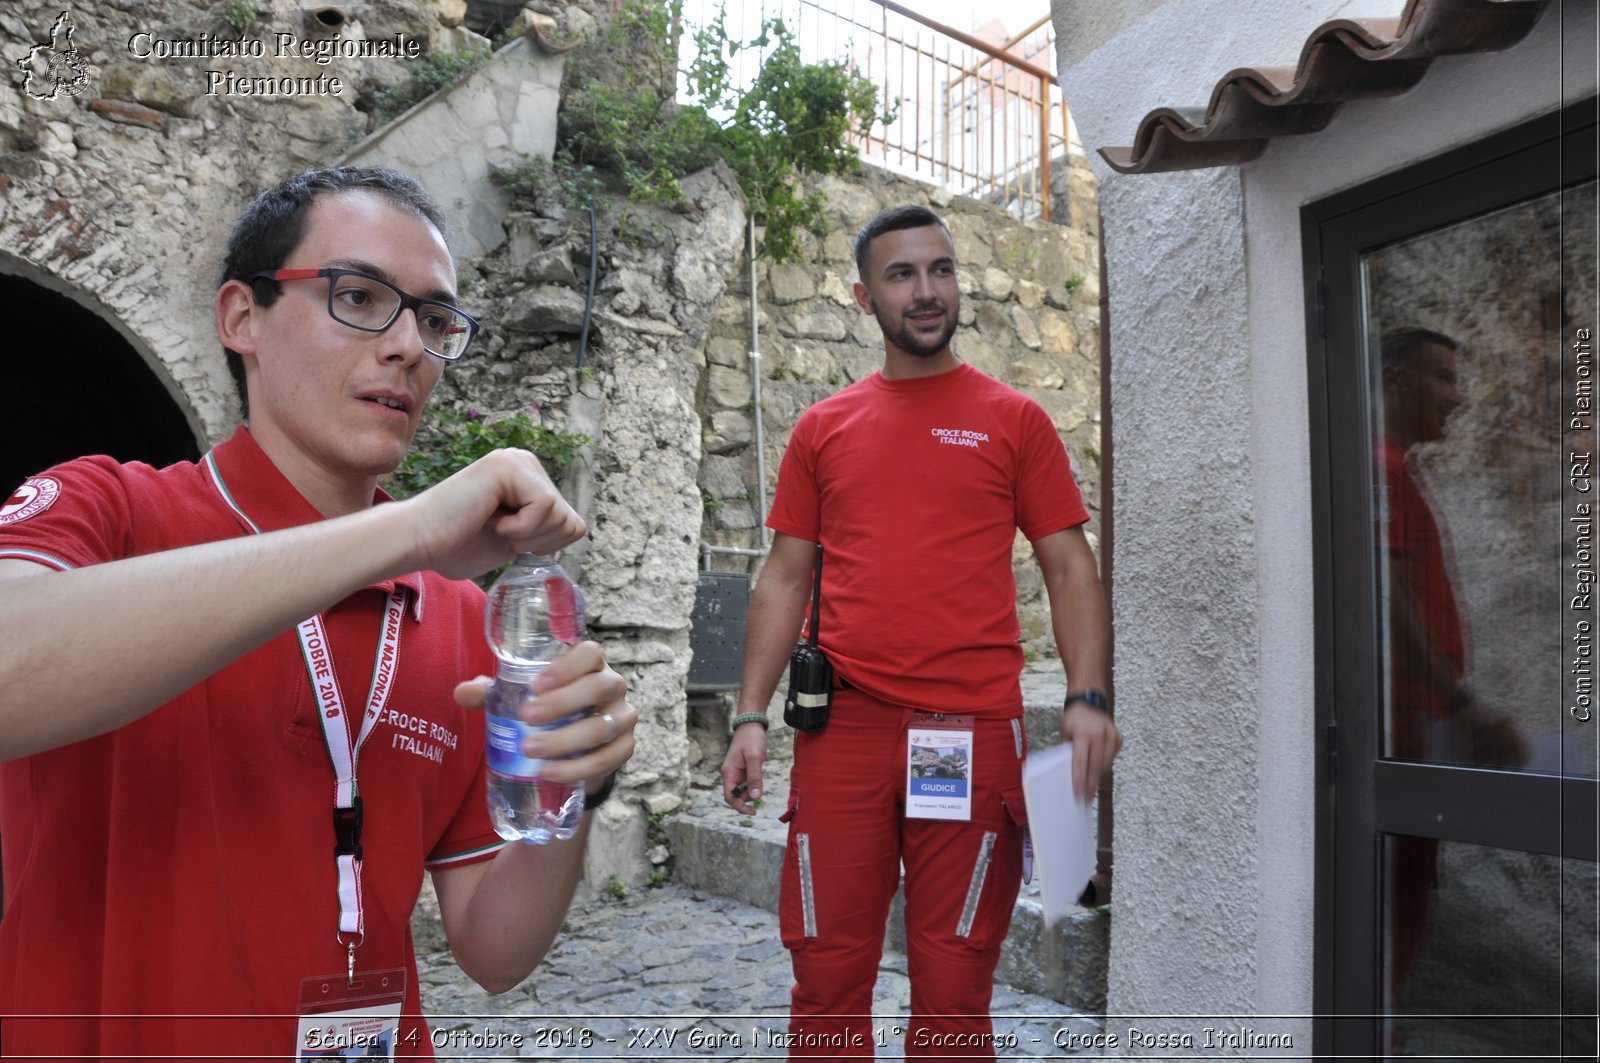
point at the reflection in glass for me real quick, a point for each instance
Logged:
(1466, 331)
(1487, 949)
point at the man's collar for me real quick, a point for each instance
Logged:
(263, 499)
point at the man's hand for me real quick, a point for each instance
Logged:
(777, 606)
(502, 504)
(741, 768)
(1081, 620)
(1095, 742)
(579, 679)
(502, 914)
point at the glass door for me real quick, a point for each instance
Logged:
(1465, 333)
(1456, 490)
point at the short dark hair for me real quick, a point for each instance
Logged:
(892, 220)
(274, 223)
(1399, 346)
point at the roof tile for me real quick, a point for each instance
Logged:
(1345, 59)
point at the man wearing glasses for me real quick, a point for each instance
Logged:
(215, 824)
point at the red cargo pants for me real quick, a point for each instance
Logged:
(848, 836)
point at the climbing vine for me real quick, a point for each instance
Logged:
(795, 119)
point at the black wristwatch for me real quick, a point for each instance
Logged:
(598, 798)
(1089, 696)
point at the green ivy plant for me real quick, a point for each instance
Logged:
(240, 15)
(574, 185)
(439, 70)
(450, 440)
(797, 118)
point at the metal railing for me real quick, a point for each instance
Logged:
(981, 117)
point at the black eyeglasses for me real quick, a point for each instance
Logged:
(372, 305)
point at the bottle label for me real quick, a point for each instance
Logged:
(504, 748)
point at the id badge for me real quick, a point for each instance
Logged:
(344, 1018)
(939, 767)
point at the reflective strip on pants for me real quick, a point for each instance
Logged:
(808, 897)
(980, 871)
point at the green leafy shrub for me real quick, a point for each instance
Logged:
(240, 15)
(450, 440)
(797, 118)
(438, 71)
(572, 184)
(649, 143)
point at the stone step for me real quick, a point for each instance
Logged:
(723, 854)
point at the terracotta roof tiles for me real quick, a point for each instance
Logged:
(1342, 60)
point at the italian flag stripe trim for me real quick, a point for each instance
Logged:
(469, 855)
(39, 556)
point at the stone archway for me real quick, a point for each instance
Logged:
(74, 385)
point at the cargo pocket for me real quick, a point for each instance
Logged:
(797, 906)
(1016, 807)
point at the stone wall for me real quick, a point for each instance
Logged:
(660, 273)
(1075, 201)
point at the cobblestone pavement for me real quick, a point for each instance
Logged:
(673, 973)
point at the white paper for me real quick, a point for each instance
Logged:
(1062, 828)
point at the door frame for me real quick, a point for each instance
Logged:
(1475, 805)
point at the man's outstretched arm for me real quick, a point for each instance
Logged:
(86, 651)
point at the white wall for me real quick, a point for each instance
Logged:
(1215, 824)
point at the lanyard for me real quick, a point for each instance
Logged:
(343, 751)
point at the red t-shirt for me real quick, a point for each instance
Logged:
(183, 865)
(916, 489)
(1410, 533)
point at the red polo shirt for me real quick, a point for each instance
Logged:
(183, 865)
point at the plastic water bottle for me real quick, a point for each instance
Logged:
(533, 614)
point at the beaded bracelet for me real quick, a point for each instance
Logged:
(749, 717)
